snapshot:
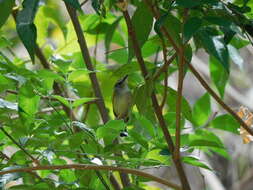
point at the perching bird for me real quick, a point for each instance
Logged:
(122, 100)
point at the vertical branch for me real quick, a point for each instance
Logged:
(167, 136)
(94, 81)
(88, 63)
(179, 91)
(179, 102)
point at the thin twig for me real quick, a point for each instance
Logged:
(18, 145)
(163, 125)
(95, 167)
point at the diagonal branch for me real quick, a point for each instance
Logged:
(95, 167)
(167, 136)
(179, 91)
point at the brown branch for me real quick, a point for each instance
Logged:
(92, 75)
(163, 125)
(18, 145)
(197, 75)
(179, 92)
(88, 63)
(179, 103)
(95, 167)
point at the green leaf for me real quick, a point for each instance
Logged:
(194, 3)
(215, 47)
(142, 97)
(203, 142)
(141, 15)
(191, 26)
(76, 140)
(188, 3)
(138, 138)
(225, 122)
(63, 100)
(218, 75)
(195, 162)
(75, 4)
(171, 101)
(204, 139)
(98, 7)
(110, 130)
(201, 110)
(25, 26)
(67, 176)
(5, 10)
(28, 101)
(81, 101)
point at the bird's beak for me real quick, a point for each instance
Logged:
(123, 79)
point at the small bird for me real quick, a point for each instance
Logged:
(122, 100)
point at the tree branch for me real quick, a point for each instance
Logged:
(167, 136)
(92, 75)
(179, 92)
(179, 103)
(95, 167)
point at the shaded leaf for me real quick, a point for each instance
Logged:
(141, 15)
(5, 10)
(215, 47)
(25, 26)
(191, 27)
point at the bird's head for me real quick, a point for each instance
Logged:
(122, 83)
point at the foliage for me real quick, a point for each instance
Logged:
(48, 104)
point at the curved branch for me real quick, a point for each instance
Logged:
(95, 167)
